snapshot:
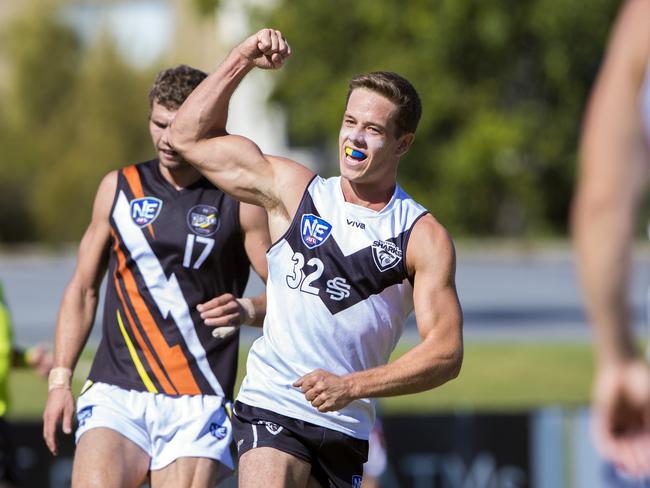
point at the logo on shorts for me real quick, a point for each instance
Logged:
(218, 431)
(203, 220)
(84, 414)
(273, 428)
(145, 210)
(386, 254)
(314, 230)
(356, 481)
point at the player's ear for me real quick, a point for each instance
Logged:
(405, 142)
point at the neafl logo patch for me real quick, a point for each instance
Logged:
(386, 254)
(145, 210)
(314, 230)
(218, 431)
(84, 414)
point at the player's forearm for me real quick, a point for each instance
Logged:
(74, 324)
(422, 368)
(603, 234)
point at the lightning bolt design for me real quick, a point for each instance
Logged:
(166, 292)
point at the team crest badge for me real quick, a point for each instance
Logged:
(145, 210)
(218, 431)
(84, 414)
(314, 230)
(356, 481)
(386, 254)
(203, 220)
(272, 427)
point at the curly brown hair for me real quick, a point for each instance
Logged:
(174, 85)
(398, 90)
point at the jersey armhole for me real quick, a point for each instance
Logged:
(407, 238)
(120, 177)
(292, 225)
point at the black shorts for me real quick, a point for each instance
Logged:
(336, 459)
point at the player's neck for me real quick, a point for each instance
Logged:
(372, 196)
(181, 177)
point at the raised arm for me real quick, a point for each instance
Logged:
(77, 313)
(612, 176)
(235, 163)
(431, 261)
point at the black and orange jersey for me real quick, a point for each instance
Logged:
(170, 250)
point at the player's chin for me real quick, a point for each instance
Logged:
(353, 173)
(172, 162)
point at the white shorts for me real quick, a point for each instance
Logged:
(165, 427)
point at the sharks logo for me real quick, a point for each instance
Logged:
(386, 254)
(272, 427)
(145, 210)
(314, 230)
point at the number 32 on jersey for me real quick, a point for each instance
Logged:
(337, 288)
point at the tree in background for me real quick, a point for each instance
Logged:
(503, 84)
(72, 114)
(42, 58)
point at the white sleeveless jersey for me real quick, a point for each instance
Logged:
(338, 297)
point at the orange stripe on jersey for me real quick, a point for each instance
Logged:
(158, 373)
(175, 363)
(133, 179)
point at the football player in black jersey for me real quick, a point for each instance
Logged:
(178, 252)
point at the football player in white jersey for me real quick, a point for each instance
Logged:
(352, 256)
(614, 160)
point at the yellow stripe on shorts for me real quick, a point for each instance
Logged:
(136, 360)
(85, 387)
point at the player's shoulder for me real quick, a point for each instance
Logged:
(290, 175)
(108, 184)
(289, 182)
(105, 195)
(430, 243)
(428, 229)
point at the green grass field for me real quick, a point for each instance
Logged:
(495, 377)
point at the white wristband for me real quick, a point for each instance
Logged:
(59, 378)
(249, 310)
